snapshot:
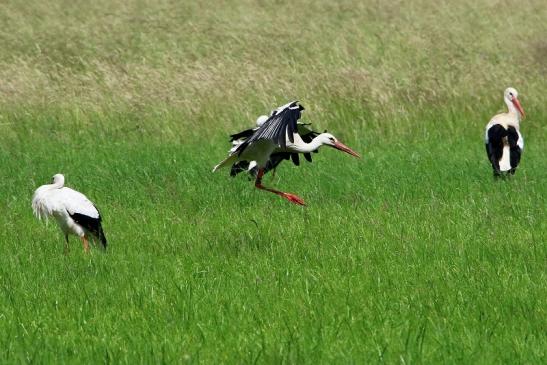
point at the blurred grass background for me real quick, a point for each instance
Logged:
(177, 69)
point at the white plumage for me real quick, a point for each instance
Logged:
(73, 211)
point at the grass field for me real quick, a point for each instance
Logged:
(412, 254)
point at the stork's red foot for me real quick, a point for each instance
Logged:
(295, 199)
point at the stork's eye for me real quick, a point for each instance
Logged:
(331, 139)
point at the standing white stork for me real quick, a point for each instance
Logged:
(279, 133)
(73, 211)
(504, 143)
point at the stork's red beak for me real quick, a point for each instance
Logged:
(342, 147)
(516, 103)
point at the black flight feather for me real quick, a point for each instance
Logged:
(280, 125)
(295, 159)
(244, 134)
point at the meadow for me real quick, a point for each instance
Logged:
(412, 254)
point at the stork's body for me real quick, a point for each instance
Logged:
(304, 131)
(504, 142)
(74, 212)
(278, 134)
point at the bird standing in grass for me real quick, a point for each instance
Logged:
(504, 143)
(279, 133)
(73, 211)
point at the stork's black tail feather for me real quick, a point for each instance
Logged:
(92, 225)
(101, 236)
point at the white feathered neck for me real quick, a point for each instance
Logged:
(39, 200)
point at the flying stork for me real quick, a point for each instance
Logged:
(304, 130)
(279, 133)
(504, 143)
(73, 211)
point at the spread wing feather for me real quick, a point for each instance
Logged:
(242, 135)
(282, 124)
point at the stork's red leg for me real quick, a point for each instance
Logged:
(290, 197)
(85, 244)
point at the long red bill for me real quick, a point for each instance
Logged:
(342, 147)
(516, 103)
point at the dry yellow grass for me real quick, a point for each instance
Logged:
(198, 64)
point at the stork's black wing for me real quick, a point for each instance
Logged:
(280, 125)
(274, 160)
(306, 133)
(244, 134)
(238, 167)
(93, 225)
(515, 149)
(494, 147)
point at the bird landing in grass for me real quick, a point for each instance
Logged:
(74, 212)
(304, 130)
(279, 134)
(504, 143)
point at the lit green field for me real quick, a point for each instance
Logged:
(412, 254)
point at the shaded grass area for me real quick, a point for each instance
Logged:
(413, 253)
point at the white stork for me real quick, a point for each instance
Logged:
(73, 211)
(304, 130)
(279, 133)
(504, 143)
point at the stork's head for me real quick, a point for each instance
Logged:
(58, 179)
(261, 120)
(511, 98)
(328, 139)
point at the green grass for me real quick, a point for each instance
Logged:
(412, 254)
